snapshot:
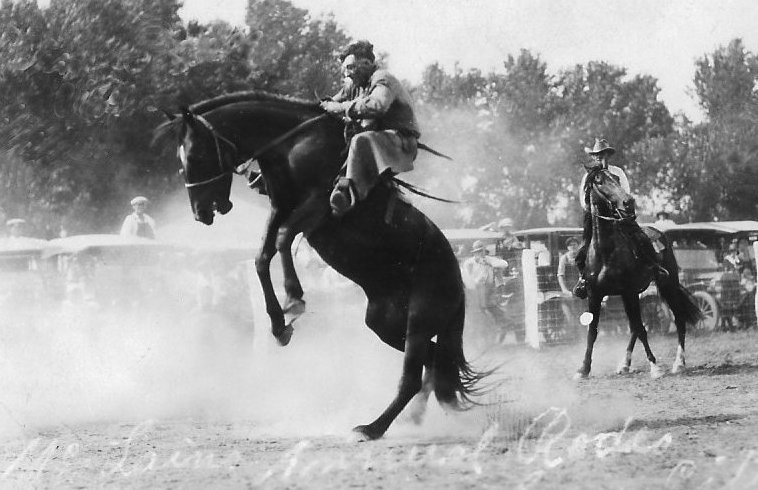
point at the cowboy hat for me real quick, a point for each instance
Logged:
(140, 200)
(505, 223)
(477, 246)
(601, 145)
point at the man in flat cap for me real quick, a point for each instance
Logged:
(600, 154)
(381, 128)
(139, 223)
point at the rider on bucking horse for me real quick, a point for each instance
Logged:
(381, 130)
(600, 154)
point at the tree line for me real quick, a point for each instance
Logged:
(83, 82)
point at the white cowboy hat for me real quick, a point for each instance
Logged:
(140, 200)
(505, 223)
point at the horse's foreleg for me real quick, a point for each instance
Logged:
(632, 308)
(416, 355)
(594, 304)
(263, 269)
(303, 218)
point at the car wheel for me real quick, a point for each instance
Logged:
(710, 310)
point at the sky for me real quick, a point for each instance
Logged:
(662, 38)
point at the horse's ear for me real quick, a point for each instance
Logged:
(169, 115)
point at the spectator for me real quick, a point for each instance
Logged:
(663, 220)
(139, 223)
(746, 308)
(510, 241)
(567, 266)
(745, 255)
(16, 228)
(480, 274)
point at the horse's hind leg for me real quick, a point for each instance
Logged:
(416, 355)
(632, 308)
(417, 407)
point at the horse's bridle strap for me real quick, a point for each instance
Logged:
(207, 181)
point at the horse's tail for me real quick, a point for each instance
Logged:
(456, 383)
(681, 301)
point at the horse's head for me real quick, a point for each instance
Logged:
(607, 194)
(208, 161)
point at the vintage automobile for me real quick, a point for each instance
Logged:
(462, 239)
(21, 270)
(109, 270)
(701, 250)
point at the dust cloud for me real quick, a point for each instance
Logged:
(179, 352)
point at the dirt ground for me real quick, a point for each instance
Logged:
(197, 413)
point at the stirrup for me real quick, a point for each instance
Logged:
(660, 273)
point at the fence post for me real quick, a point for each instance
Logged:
(531, 324)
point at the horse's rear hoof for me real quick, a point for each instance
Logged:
(678, 369)
(364, 433)
(286, 335)
(656, 371)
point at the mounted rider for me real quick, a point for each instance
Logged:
(600, 153)
(381, 129)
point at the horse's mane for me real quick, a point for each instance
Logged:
(249, 96)
(205, 106)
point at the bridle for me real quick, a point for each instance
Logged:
(621, 215)
(218, 138)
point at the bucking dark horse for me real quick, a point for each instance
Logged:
(614, 268)
(399, 258)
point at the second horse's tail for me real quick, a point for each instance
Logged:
(681, 301)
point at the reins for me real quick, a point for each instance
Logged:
(239, 169)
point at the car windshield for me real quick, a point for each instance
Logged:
(696, 258)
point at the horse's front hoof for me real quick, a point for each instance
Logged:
(366, 433)
(293, 310)
(622, 369)
(581, 373)
(285, 336)
(678, 368)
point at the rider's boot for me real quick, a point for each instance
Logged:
(343, 198)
